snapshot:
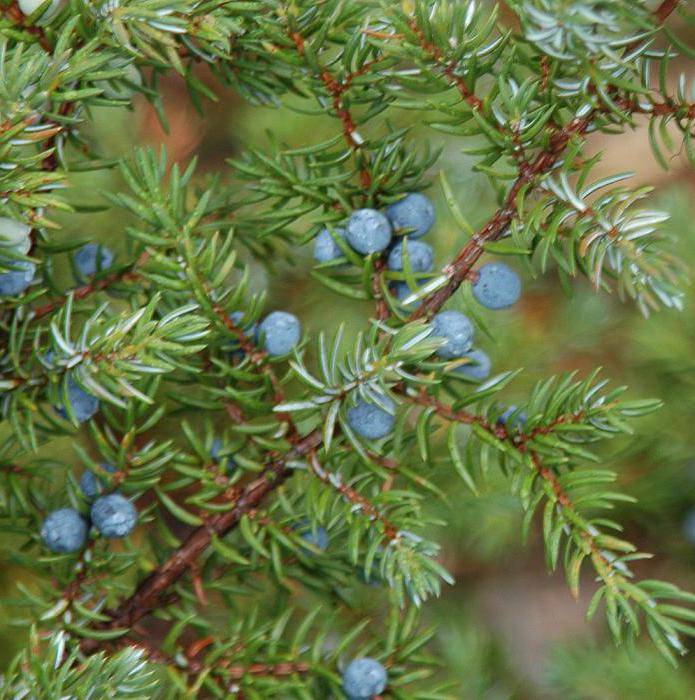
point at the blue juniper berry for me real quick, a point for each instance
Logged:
(368, 231)
(86, 257)
(370, 420)
(325, 247)
(364, 678)
(92, 485)
(414, 213)
(280, 332)
(114, 515)
(496, 286)
(64, 530)
(478, 367)
(420, 256)
(15, 281)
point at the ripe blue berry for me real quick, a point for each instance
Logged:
(478, 367)
(114, 515)
(92, 485)
(497, 286)
(401, 291)
(325, 247)
(14, 234)
(518, 418)
(420, 255)
(227, 462)
(370, 420)
(280, 332)
(83, 405)
(85, 259)
(364, 678)
(315, 536)
(64, 530)
(14, 282)
(456, 329)
(414, 212)
(368, 231)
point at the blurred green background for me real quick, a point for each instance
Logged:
(507, 629)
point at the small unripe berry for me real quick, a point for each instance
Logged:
(226, 462)
(64, 530)
(92, 485)
(497, 286)
(456, 329)
(325, 247)
(368, 231)
(420, 256)
(414, 212)
(114, 515)
(83, 405)
(364, 678)
(371, 421)
(29, 6)
(14, 282)
(14, 234)
(280, 332)
(85, 259)
(478, 367)
(517, 422)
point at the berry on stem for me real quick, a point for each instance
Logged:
(14, 282)
(414, 214)
(92, 485)
(456, 329)
(280, 332)
(325, 247)
(64, 531)
(518, 418)
(27, 7)
(496, 286)
(114, 516)
(85, 259)
(420, 256)
(478, 367)
(368, 231)
(364, 678)
(83, 405)
(315, 536)
(371, 421)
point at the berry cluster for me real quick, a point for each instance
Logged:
(65, 530)
(495, 286)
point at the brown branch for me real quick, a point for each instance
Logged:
(148, 594)
(662, 13)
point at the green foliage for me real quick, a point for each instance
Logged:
(229, 453)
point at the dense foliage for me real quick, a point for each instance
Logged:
(245, 457)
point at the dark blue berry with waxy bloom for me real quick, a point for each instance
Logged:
(92, 485)
(496, 286)
(325, 247)
(64, 530)
(227, 462)
(364, 678)
(85, 259)
(517, 421)
(280, 332)
(83, 405)
(15, 281)
(414, 212)
(316, 536)
(457, 331)
(420, 256)
(478, 367)
(370, 420)
(114, 516)
(368, 231)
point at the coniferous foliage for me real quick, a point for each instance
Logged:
(225, 455)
